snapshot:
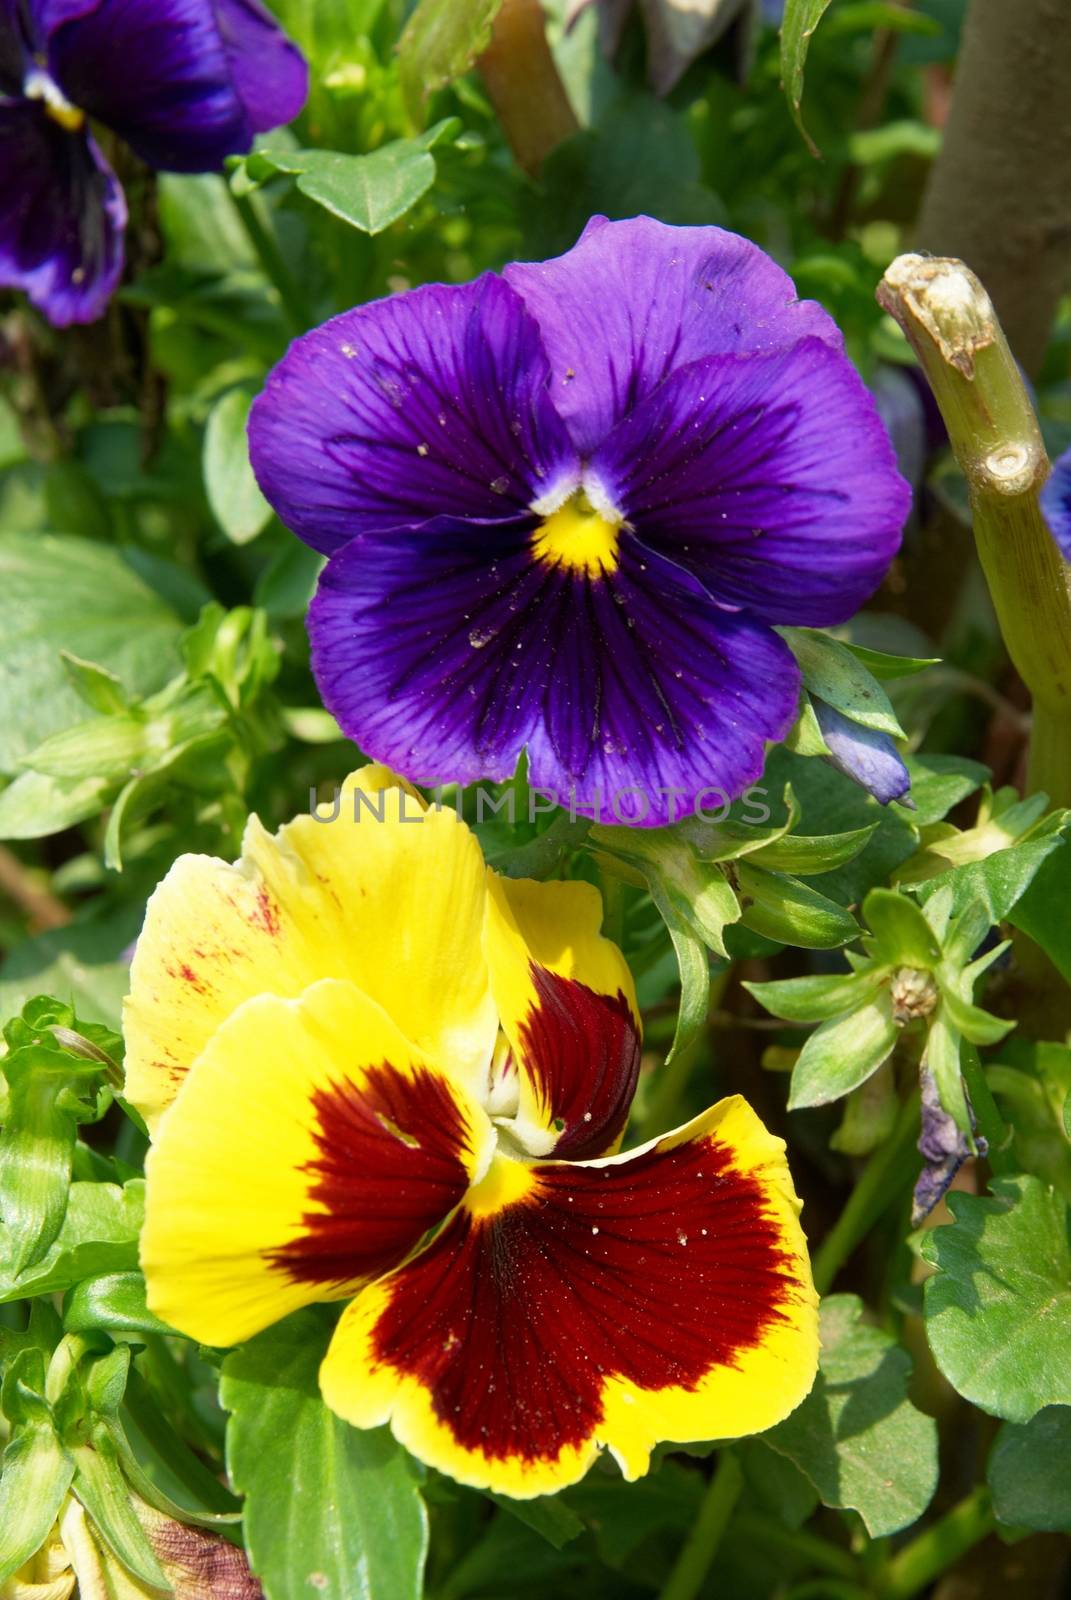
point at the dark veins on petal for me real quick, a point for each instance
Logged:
(656, 1270)
(389, 1168)
(582, 1051)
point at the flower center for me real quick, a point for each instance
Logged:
(578, 536)
(39, 86)
(505, 1182)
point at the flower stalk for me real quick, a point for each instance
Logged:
(523, 85)
(952, 326)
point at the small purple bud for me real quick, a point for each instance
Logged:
(868, 757)
(944, 1148)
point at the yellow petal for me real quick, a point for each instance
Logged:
(311, 1148)
(567, 1004)
(388, 895)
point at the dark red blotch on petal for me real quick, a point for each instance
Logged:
(656, 1270)
(582, 1051)
(390, 1166)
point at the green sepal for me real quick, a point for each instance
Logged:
(902, 935)
(941, 1058)
(835, 674)
(694, 901)
(882, 665)
(782, 908)
(817, 999)
(979, 1026)
(22, 1392)
(113, 1303)
(35, 1475)
(100, 1486)
(46, 1086)
(842, 1054)
(808, 855)
(805, 737)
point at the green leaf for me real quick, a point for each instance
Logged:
(1028, 1473)
(801, 18)
(998, 1309)
(998, 883)
(904, 937)
(35, 1474)
(35, 805)
(369, 191)
(101, 690)
(1042, 910)
(942, 1058)
(782, 908)
(547, 1515)
(1033, 1084)
(440, 43)
(835, 673)
(816, 999)
(99, 1234)
(938, 783)
(83, 598)
(330, 1509)
(113, 1303)
(857, 1437)
(233, 492)
(842, 1054)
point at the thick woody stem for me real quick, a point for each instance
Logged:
(523, 85)
(950, 322)
(999, 195)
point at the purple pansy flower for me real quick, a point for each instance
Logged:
(184, 82)
(564, 508)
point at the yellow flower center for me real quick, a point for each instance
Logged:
(504, 1183)
(39, 86)
(578, 536)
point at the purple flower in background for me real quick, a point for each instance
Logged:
(183, 82)
(1056, 503)
(563, 509)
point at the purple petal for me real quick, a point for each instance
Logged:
(154, 70)
(62, 216)
(868, 757)
(633, 301)
(770, 477)
(445, 649)
(268, 71)
(430, 403)
(1056, 503)
(944, 1148)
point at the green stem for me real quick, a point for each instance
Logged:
(271, 259)
(882, 1182)
(938, 1549)
(701, 1546)
(950, 322)
(749, 1527)
(991, 1124)
(671, 1079)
